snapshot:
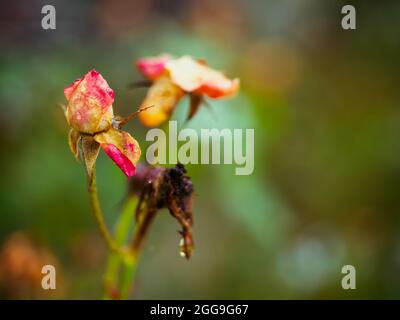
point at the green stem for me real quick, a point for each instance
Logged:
(129, 261)
(122, 229)
(121, 268)
(128, 275)
(141, 231)
(98, 214)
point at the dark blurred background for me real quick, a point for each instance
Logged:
(324, 103)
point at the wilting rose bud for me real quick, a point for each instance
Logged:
(152, 67)
(121, 148)
(90, 102)
(90, 115)
(194, 76)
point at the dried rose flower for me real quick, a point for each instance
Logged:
(158, 188)
(172, 78)
(90, 115)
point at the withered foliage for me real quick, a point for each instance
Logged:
(159, 188)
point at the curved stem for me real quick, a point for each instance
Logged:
(141, 232)
(98, 214)
(130, 263)
(119, 281)
(113, 289)
(121, 289)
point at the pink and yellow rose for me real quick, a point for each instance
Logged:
(172, 78)
(90, 115)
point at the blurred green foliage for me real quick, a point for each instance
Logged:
(324, 104)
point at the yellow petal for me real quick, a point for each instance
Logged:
(163, 96)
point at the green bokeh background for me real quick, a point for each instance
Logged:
(324, 103)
